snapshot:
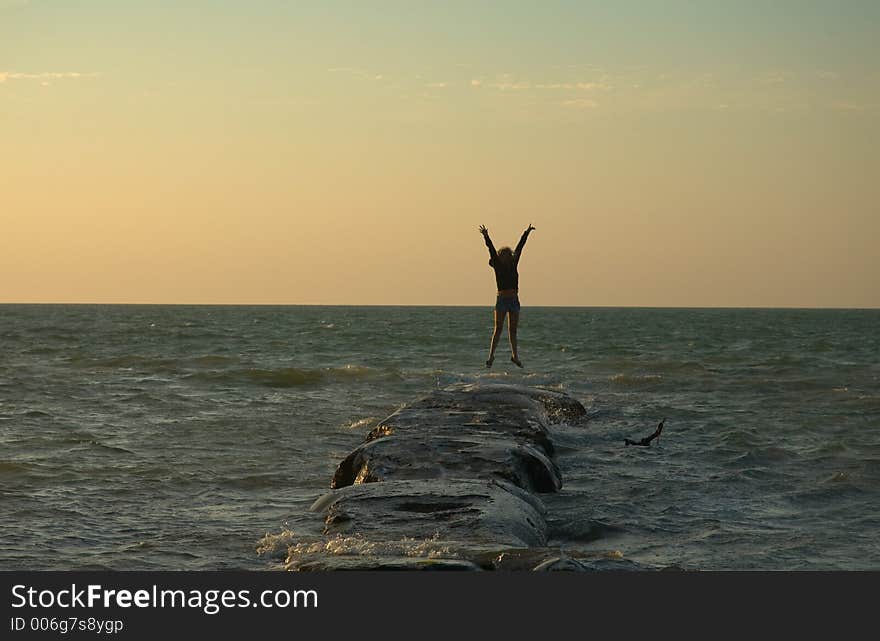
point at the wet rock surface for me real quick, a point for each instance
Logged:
(452, 481)
(468, 455)
(460, 510)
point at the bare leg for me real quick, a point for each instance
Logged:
(511, 333)
(499, 327)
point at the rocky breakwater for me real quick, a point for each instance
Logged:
(451, 481)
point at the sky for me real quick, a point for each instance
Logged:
(668, 153)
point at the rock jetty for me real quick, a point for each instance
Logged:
(451, 481)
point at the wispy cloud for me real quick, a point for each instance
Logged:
(573, 86)
(45, 76)
(358, 73)
(508, 85)
(507, 82)
(628, 89)
(772, 78)
(580, 103)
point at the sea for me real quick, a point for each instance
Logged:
(141, 437)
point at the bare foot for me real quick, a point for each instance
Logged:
(490, 361)
(515, 361)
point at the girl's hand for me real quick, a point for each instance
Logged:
(483, 230)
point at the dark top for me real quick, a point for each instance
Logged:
(506, 275)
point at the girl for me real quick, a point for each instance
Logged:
(505, 262)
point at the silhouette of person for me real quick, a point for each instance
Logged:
(646, 442)
(505, 262)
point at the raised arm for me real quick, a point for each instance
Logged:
(492, 253)
(522, 242)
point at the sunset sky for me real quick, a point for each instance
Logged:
(669, 153)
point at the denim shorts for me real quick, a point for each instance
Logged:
(507, 304)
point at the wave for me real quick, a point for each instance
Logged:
(36, 414)
(840, 488)
(257, 481)
(633, 380)
(760, 457)
(13, 468)
(583, 531)
(154, 363)
(295, 376)
(363, 423)
(295, 550)
(128, 362)
(213, 360)
(740, 438)
(219, 368)
(110, 448)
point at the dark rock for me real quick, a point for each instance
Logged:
(506, 411)
(458, 510)
(557, 406)
(447, 482)
(468, 455)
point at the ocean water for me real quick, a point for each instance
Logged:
(177, 437)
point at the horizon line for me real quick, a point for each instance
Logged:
(471, 306)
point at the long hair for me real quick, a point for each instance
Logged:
(505, 256)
